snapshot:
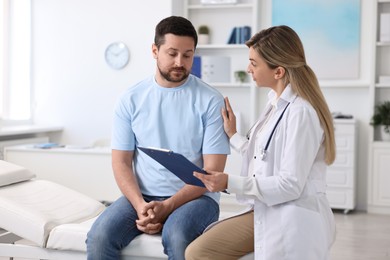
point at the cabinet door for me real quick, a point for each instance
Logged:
(381, 176)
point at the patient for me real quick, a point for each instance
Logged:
(172, 110)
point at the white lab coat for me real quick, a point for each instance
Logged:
(293, 219)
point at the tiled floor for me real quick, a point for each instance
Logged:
(361, 236)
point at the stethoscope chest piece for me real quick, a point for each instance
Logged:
(263, 154)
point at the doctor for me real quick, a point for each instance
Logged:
(285, 157)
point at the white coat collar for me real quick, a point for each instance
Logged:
(287, 96)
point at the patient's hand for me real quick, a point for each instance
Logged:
(146, 221)
(153, 216)
(150, 228)
(157, 210)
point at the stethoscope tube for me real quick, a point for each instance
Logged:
(263, 152)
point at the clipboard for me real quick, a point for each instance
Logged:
(175, 163)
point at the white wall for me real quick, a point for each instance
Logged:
(73, 85)
(76, 89)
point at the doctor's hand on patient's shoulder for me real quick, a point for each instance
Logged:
(229, 119)
(214, 181)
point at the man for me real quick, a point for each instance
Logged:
(172, 110)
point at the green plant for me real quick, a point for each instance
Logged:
(203, 29)
(382, 116)
(240, 75)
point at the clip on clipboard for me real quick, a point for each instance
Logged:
(176, 163)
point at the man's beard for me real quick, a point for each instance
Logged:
(168, 74)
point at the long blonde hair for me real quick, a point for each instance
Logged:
(281, 46)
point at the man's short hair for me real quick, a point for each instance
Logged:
(176, 25)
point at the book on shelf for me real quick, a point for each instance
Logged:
(239, 34)
(196, 67)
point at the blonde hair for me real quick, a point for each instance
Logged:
(280, 46)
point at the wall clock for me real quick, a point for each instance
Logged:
(117, 55)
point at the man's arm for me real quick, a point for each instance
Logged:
(215, 162)
(122, 164)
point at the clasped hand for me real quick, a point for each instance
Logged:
(152, 216)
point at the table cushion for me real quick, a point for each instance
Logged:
(73, 236)
(31, 209)
(11, 173)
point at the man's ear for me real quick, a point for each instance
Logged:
(154, 50)
(279, 72)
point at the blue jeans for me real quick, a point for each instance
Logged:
(115, 228)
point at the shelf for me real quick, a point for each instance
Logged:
(230, 85)
(383, 1)
(382, 85)
(66, 150)
(343, 83)
(383, 44)
(219, 6)
(221, 46)
(381, 144)
(27, 129)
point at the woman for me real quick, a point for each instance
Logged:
(285, 156)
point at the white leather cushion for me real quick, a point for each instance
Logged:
(31, 209)
(73, 236)
(11, 173)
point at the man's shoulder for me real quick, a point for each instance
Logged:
(139, 87)
(203, 87)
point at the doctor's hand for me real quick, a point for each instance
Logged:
(229, 119)
(214, 181)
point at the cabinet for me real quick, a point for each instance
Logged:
(381, 178)
(379, 158)
(341, 175)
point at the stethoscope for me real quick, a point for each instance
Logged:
(263, 151)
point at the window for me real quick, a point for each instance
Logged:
(15, 61)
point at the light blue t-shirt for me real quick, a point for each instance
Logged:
(185, 119)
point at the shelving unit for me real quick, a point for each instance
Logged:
(221, 19)
(379, 153)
